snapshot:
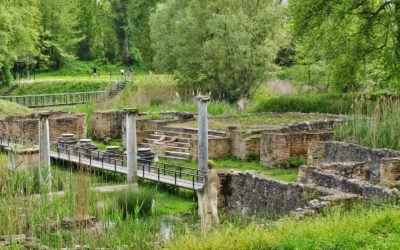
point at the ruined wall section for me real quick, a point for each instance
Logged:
(278, 148)
(333, 151)
(27, 127)
(256, 194)
(369, 192)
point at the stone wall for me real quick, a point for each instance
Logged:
(107, 124)
(59, 123)
(23, 159)
(244, 146)
(332, 151)
(276, 148)
(368, 191)
(256, 194)
(217, 147)
(248, 145)
(324, 125)
(111, 124)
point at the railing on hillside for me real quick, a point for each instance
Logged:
(48, 100)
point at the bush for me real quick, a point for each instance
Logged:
(306, 103)
(134, 203)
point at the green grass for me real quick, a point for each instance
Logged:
(102, 146)
(11, 108)
(19, 212)
(85, 68)
(359, 228)
(305, 103)
(61, 86)
(283, 174)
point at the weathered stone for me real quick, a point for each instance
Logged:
(390, 172)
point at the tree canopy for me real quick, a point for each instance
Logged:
(358, 40)
(222, 46)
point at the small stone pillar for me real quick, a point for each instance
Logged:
(44, 148)
(315, 153)
(131, 146)
(203, 131)
(390, 172)
(274, 149)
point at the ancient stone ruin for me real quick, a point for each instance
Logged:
(336, 172)
(27, 127)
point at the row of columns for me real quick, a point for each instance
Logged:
(131, 145)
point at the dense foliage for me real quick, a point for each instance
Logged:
(225, 46)
(357, 41)
(45, 34)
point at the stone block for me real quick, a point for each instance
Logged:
(23, 158)
(390, 172)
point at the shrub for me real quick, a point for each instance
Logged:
(134, 203)
(306, 103)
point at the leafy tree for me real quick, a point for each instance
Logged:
(357, 40)
(18, 33)
(60, 34)
(223, 46)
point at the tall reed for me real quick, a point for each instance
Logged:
(373, 123)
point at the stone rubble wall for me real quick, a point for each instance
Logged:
(249, 145)
(217, 147)
(111, 124)
(369, 192)
(278, 148)
(27, 127)
(333, 151)
(251, 193)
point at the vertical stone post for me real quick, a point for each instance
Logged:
(203, 131)
(131, 145)
(44, 148)
(390, 172)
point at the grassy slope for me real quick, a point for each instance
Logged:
(61, 86)
(10, 108)
(361, 228)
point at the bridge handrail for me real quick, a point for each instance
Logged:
(95, 156)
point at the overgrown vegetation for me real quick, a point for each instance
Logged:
(46, 219)
(306, 103)
(373, 124)
(359, 228)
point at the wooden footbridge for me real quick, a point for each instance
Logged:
(165, 173)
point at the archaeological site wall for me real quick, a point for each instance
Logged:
(251, 193)
(27, 127)
(111, 124)
(278, 148)
(333, 151)
(217, 147)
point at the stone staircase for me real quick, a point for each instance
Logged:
(173, 142)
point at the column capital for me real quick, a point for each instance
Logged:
(203, 98)
(131, 111)
(43, 115)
